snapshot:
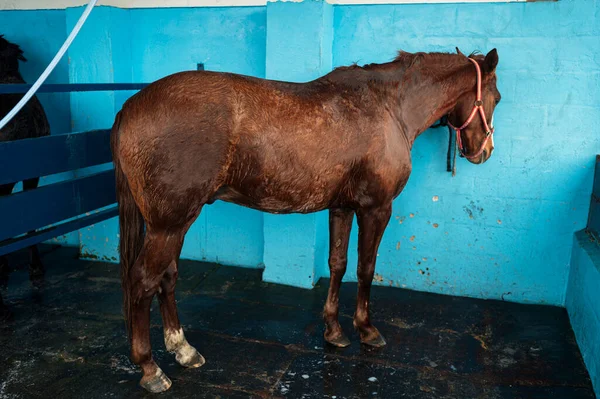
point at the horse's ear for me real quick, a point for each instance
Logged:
(459, 52)
(491, 61)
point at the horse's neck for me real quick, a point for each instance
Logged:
(430, 97)
(416, 92)
(11, 77)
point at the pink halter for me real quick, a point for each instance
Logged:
(477, 107)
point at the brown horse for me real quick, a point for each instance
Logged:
(341, 142)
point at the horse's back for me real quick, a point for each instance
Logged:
(30, 122)
(274, 146)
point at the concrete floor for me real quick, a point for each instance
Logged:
(67, 339)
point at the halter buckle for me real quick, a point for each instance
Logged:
(478, 103)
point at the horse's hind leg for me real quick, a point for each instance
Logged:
(371, 226)
(160, 250)
(36, 267)
(340, 224)
(185, 354)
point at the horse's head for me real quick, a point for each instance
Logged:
(473, 116)
(10, 55)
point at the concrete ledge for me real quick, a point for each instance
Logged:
(583, 301)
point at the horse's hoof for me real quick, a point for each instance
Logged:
(4, 270)
(190, 358)
(157, 383)
(375, 340)
(5, 314)
(37, 280)
(36, 272)
(340, 341)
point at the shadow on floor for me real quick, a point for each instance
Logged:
(67, 339)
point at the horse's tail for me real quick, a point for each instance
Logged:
(131, 225)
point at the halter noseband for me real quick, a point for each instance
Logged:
(478, 106)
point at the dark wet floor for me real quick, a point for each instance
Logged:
(262, 340)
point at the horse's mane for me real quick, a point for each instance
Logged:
(10, 50)
(408, 59)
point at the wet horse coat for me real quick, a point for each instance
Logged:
(341, 142)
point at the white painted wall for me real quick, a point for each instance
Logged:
(60, 4)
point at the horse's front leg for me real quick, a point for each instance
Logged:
(340, 224)
(5, 313)
(371, 225)
(5, 189)
(4, 272)
(36, 267)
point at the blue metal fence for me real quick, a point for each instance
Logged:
(71, 87)
(33, 216)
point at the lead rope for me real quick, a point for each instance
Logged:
(455, 151)
(452, 145)
(452, 150)
(449, 155)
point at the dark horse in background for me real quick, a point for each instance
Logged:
(28, 123)
(341, 142)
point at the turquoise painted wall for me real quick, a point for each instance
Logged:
(501, 230)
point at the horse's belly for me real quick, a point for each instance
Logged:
(282, 180)
(277, 199)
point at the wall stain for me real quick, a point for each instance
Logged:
(473, 210)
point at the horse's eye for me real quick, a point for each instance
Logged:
(497, 101)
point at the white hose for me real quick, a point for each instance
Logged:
(50, 66)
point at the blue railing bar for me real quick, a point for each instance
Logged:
(70, 87)
(67, 152)
(29, 239)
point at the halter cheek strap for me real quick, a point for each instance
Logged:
(477, 108)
